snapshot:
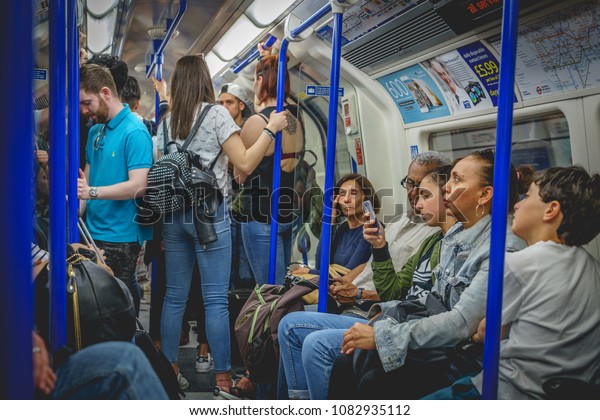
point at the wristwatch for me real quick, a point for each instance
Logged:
(93, 191)
(359, 293)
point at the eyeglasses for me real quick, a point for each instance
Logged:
(409, 184)
(99, 140)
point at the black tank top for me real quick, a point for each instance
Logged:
(258, 186)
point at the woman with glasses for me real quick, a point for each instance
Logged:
(461, 282)
(217, 139)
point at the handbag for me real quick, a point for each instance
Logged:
(405, 310)
(172, 178)
(99, 305)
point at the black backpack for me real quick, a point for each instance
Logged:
(171, 178)
(159, 363)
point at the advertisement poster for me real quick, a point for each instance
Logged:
(415, 94)
(485, 66)
(468, 77)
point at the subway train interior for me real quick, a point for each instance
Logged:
(411, 76)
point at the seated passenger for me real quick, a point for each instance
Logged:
(551, 291)
(415, 280)
(348, 247)
(404, 235)
(296, 328)
(461, 282)
(113, 370)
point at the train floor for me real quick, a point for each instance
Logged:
(201, 384)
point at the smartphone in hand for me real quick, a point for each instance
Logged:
(368, 208)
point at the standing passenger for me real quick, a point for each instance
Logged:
(217, 138)
(118, 156)
(234, 98)
(257, 189)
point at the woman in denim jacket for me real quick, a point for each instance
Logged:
(462, 277)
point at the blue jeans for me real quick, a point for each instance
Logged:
(257, 240)
(241, 272)
(309, 343)
(182, 248)
(108, 371)
(463, 389)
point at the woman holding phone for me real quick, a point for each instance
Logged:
(348, 248)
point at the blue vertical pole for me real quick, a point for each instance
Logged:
(16, 211)
(159, 76)
(510, 17)
(336, 46)
(158, 59)
(281, 67)
(73, 121)
(58, 169)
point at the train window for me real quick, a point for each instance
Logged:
(541, 141)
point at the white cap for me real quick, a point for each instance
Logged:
(238, 92)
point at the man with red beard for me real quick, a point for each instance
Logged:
(118, 156)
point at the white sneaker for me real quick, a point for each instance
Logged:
(183, 383)
(204, 364)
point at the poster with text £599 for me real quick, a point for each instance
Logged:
(467, 76)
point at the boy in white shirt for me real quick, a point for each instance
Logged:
(551, 291)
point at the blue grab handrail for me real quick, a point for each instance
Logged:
(255, 54)
(281, 68)
(282, 65)
(170, 31)
(73, 120)
(293, 34)
(314, 18)
(16, 300)
(58, 169)
(336, 45)
(510, 17)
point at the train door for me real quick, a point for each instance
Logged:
(591, 114)
(310, 81)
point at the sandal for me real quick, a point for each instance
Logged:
(244, 388)
(219, 392)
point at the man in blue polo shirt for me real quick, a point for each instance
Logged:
(118, 156)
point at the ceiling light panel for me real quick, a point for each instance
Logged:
(100, 32)
(215, 65)
(264, 12)
(99, 7)
(236, 38)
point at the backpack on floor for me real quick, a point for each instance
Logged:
(256, 325)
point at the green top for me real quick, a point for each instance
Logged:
(392, 285)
